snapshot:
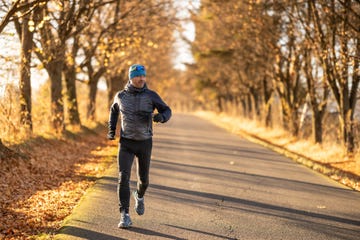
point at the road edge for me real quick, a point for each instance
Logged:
(346, 178)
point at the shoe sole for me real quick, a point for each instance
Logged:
(125, 227)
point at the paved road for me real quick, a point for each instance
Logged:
(209, 184)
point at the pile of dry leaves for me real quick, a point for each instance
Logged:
(42, 181)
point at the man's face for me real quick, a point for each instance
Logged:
(138, 81)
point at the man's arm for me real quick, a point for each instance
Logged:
(164, 110)
(113, 118)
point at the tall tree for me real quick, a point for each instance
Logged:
(339, 41)
(25, 26)
(61, 20)
(288, 81)
(317, 87)
(70, 81)
(25, 76)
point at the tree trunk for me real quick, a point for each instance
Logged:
(285, 119)
(111, 83)
(70, 81)
(347, 127)
(93, 82)
(92, 102)
(295, 122)
(318, 105)
(249, 107)
(54, 69)
(350, 147)
(255, 99)
(219, 104)
(72, 104)
(25, 75)
(114, 84)
(243, 107)
(268, 116)
(267, 102)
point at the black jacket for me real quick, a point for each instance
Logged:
(136, 107)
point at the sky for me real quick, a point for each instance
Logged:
(183, 50)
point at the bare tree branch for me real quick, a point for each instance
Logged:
(8, 16)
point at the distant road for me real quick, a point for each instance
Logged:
(206, 183)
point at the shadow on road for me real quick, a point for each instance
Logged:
(198, 231)
(86, 234)
(89, 234)
(236, 175)
(148, 232)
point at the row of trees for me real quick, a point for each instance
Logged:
(255, 53)
(251, 55)
(87, 40)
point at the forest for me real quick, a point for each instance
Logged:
(288, 64)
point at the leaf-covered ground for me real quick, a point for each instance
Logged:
(40, 186)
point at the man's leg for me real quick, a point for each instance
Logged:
(143, 167)
(125, 160)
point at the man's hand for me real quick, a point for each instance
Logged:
(158, 118)
(111, 135)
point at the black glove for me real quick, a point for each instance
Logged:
(111, 135)
(158, 118)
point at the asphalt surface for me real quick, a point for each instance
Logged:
(206, 183)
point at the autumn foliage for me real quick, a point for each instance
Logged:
(44, 179)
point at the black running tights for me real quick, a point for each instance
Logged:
(128, 149)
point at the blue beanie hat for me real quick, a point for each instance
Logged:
(136, 70)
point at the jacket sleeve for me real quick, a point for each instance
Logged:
(114, 113)
(161, 106)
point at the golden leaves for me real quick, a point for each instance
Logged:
(39, 193)
(31, 26)
(152, 44)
